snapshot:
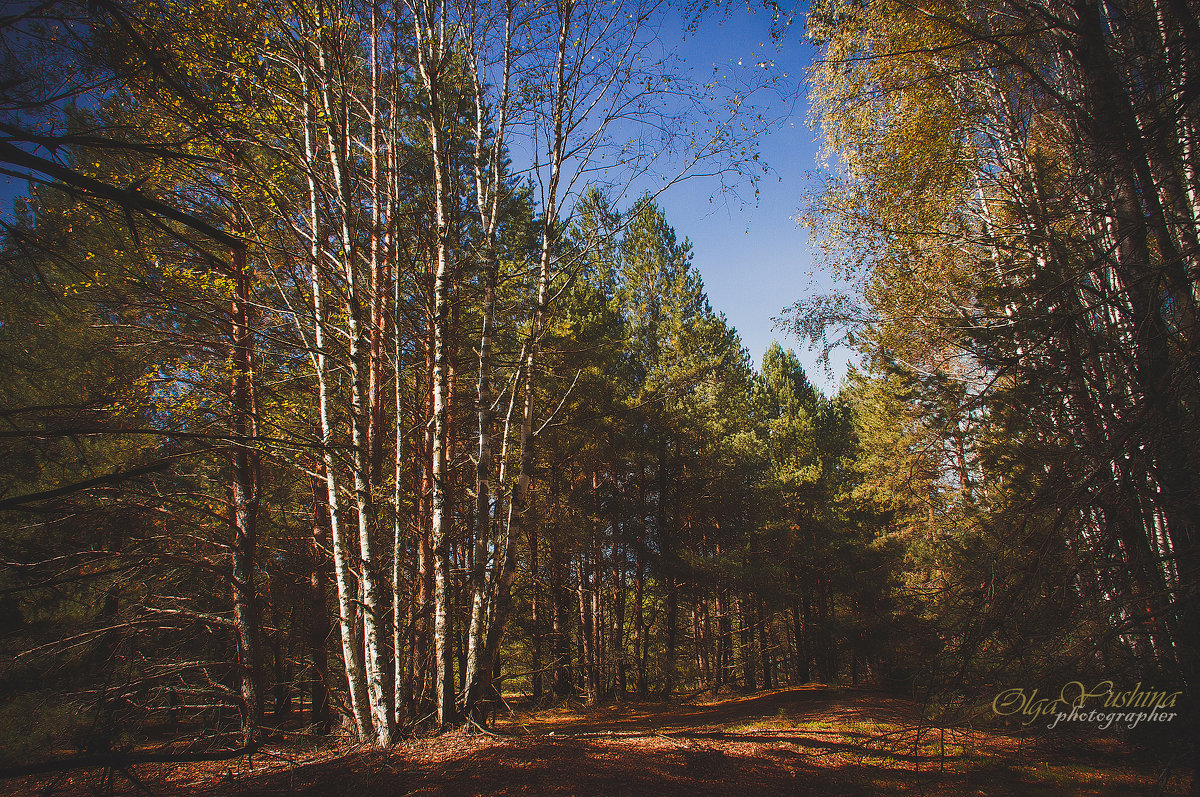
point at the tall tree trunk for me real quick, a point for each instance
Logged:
(620, 659)
(701, 634)
(430, 29)
(641, 645)
(535, 620)
(281, 689)
(764, 642)
(558, 621)
(801, 636)
(343, 569)
(475, 676)
(746, 631)
(724, 634)
(318, 620)
(424, 676)
(243, 505)
(586, 652)
(826, 655)
(488, 169)
(671, 623)
(402, 594)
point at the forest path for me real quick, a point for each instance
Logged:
(717, 714)
(798, 741)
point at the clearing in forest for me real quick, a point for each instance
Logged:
(807, 740)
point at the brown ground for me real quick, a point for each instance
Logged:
(798, 741)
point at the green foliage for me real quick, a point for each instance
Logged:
(1027, 424)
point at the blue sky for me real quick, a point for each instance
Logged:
(754, 257)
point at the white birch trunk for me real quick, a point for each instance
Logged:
(429, 27)
(343, 569)
(487, 192)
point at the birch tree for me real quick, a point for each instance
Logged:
(1005, 204)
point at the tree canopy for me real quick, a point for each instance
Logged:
(346, 384)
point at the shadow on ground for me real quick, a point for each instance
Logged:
(791, 742)
(536, 766)
(801, 741)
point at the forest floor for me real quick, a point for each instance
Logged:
(797, 741)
